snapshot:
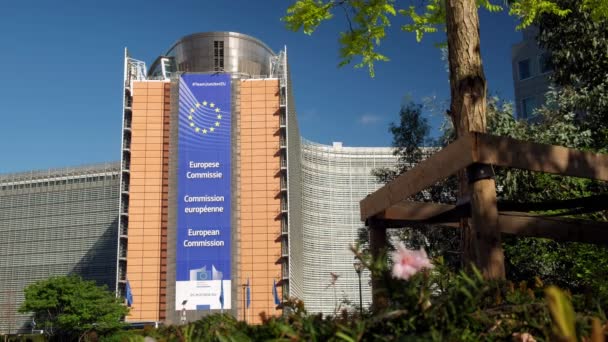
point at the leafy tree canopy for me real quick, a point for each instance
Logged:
(579, 58)
(369, 19)
(69, 305)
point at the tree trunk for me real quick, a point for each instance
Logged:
(481, 238)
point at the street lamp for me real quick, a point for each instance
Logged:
(183, 318)
(358, 265)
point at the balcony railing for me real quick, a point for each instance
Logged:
(126, 144)
(285, 290)
(123, 252)
(124, 225)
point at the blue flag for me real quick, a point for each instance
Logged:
(222, 293)
(275, 293)
(129, 294)
(248, 294)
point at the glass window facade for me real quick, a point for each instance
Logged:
(524, 69)
(528, 105)
(55, 223)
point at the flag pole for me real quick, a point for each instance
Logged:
(244, 301)
(249, 312)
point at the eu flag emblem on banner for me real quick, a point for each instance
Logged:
(129, 294)
(275, 293)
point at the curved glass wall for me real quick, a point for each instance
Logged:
(334, 180)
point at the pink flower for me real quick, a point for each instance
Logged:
(408, 262)
(523, 337)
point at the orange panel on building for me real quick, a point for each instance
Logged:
(147, 232)
(260, 197)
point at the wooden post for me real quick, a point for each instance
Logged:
(377, 245)
(484, 218)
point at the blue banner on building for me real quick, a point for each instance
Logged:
(203, 193)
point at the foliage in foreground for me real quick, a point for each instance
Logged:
(68, 306)
(430, 306)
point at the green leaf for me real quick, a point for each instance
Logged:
(562, 313)
(307, 15)
(529, 10)
(344, 337)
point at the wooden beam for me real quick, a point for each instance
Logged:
(429, 212)
(515, 223)
(416, 211)
(440, 165)
(508, 152)
(559, 229)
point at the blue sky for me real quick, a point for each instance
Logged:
(62, 69)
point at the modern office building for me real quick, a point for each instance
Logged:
(530, 74)
(209, 167)
(55, 222)
(218, 203)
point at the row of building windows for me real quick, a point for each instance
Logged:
(61, 195)
(35, 184)
(218, 55)
(525, 67)
(24, 209)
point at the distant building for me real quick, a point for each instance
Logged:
(530, 74)
(55, 223)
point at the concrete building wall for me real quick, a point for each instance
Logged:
(147, 228)
(529, 91)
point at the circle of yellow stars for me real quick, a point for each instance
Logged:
(205, 130)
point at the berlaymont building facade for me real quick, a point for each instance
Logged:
(216, 203)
